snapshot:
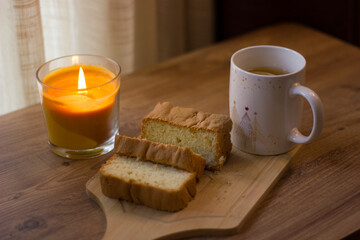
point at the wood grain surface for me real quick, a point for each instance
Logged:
(42, 196)
(223, 201)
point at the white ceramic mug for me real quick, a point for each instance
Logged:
(266, 110)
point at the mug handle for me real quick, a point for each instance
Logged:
(317, 110)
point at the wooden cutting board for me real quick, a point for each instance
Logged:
(223, 201)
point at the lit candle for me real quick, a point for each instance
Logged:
(81, 108)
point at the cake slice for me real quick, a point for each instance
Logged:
(166, 154)
(204, 133)
(154, 185)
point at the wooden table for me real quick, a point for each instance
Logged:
(43, 195)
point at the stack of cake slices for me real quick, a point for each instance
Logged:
(160, 169)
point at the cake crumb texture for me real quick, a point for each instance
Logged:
(143, 182)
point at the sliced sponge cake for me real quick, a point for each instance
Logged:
(154, 174)
(204, 133)
(154, 185)
(166, 154)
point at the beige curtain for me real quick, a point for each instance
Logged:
(136, 33)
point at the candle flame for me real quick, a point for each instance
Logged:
(81, 79)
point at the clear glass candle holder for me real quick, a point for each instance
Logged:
(81, 118)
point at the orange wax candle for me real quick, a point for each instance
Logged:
(79, 116)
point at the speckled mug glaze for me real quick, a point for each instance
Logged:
(266, 110)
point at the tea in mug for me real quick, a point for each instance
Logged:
(267, 71)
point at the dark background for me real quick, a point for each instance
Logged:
(339, 18)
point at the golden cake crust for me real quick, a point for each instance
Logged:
(189, 117)
(166, 154)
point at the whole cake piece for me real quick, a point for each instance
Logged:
(204, 133)
(153, 174)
